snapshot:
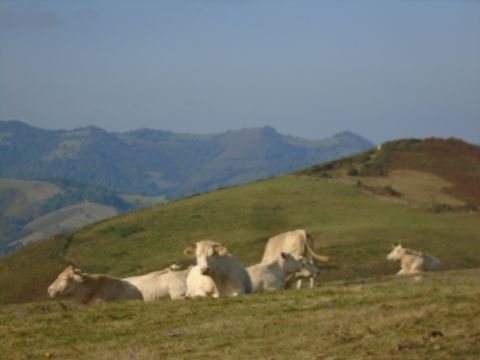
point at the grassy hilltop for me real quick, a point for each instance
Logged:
(353, 215)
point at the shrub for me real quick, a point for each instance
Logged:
(389, 190)
(442, 208)
(353, 172)
(470, 206)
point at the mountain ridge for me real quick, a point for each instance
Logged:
(158, 162)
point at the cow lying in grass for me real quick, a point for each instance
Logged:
(213, 259)
(167, 283)
(413, 262)
(87, 289)
(272, 275)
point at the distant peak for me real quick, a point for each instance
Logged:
(346, 133)
(14, 123)
(94, 128)
(352, 137)
(268, 130)
(263, 131)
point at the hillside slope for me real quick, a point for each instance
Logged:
(66, 219)
(455, 164)
(349, 224)
(32, 210)
(153, 162)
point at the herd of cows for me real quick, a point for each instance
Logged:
(287, 260)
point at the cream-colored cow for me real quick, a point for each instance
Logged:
(413, 262)
(299, 243)
(267, 276)
(213, 259)
(85, 288)
(199, 285)
(167, 283)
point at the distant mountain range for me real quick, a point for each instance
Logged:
(153, 162)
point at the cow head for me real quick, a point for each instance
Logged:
(308, 269)
(290, 263)
(397, 253)
(66, 283)
(207, 253)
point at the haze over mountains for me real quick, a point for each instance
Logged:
(84, 171)
(155, 162)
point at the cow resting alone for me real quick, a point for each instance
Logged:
(413, 262)
(272, 275)
(167, 283)
(230, 278)
(85, 289)
(299, 243)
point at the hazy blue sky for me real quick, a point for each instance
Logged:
(384, 69)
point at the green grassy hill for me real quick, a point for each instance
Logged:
(350, 223)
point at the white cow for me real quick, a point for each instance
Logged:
(413, 262)
(85, 288)
(230, 278)
(199, 285)
(266, 276)
(298, 242)
(167, 283)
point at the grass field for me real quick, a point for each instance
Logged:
(349, 224)
(435, 317)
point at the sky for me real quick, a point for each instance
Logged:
(309, 68)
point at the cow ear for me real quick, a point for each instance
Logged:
(189, 251)
(78, 277)
(221, 250)
(76, 271)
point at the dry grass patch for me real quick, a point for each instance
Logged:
(416, 188)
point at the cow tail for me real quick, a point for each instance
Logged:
(321, 258)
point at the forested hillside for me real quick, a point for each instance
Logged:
(162, 163)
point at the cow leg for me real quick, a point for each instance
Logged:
(201, 293)
(312, 282)
(96, 300)
(178, 297)
(299, 283)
